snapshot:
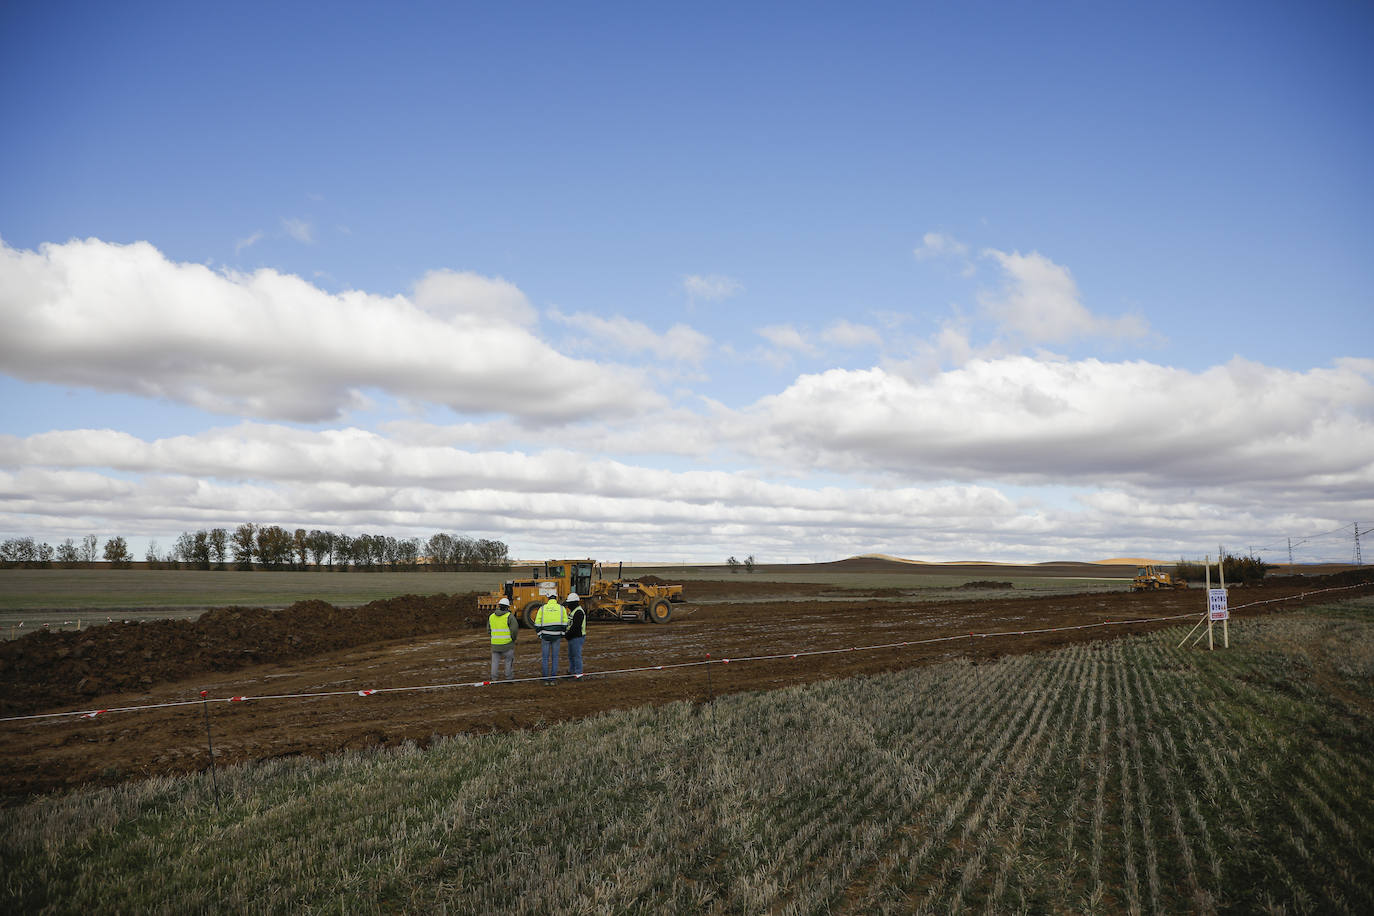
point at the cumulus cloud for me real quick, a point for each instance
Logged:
(123, 318)
(710, 287)
(1089, 422)
(1039, 302)
(468, 297)
(679, 344)
(355, 479)
(554, 500)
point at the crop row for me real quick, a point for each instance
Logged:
(1128, 776)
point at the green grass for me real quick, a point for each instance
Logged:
(1106, 777)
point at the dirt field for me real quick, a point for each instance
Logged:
(413, 642)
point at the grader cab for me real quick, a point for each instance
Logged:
(603, 599)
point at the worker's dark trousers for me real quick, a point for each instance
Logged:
(548, 659)
(575, 654)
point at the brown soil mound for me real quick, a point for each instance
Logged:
(47, 668)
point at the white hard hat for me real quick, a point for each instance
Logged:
(504, 602)
(572, 598)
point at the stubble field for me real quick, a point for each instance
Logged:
(1044, 772)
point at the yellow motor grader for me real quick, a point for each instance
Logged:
(602, 598)
(1150, 578)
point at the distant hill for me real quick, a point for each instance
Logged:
(878, 563)
(1115, 561)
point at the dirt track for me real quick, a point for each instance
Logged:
(444, 643)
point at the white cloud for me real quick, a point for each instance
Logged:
(248, 242)
(124, 318)
(939, 245)
(679, 344)
(1251, 428)
(786, 337)
(1004, 457)
(850, 336)
(556, 500)
(1039, 303)
(468, 297)
(711, 287)
(299, 229)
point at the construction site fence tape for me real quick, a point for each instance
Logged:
(708, 660)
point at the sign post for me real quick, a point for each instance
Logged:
(1225, 612)
(1216, 607)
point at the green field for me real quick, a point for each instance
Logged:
(1125, 776)
(141, 589)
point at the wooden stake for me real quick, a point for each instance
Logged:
(1193, 630)
(1225, 630)
(1208, 561)
(205, 706)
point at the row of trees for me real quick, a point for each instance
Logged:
(28, 553)
(1243, 570)
(251, 546)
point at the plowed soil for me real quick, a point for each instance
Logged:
(422, 642)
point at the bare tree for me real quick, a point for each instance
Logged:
(88, 547)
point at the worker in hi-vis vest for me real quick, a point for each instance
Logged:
(503, 628)
(550, 622)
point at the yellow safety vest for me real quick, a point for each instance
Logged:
(551, 612)
(500, 628)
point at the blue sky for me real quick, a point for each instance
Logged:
(955, 281)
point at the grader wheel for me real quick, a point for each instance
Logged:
(659, 610)
(527, 615)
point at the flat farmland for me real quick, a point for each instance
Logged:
(1111, 775)
(62, 597)
(120, 592)
(402, 648)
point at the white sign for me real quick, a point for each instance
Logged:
(1216, 604)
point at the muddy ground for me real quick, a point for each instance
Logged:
(420, 641)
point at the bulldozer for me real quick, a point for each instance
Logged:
(1151, 578)
(602, 598)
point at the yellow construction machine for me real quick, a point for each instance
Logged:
(603, 599)
(1150, 578)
